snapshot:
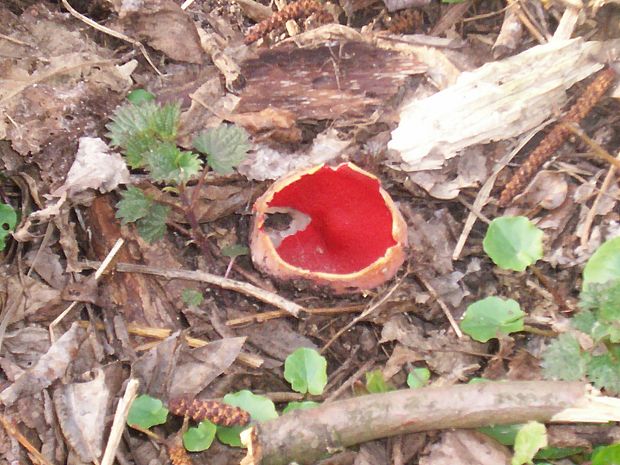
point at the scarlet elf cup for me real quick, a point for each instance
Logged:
(345, 231)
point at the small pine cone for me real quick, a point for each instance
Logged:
(178, 455)
(295, 10)
(216, 412)
(557, 136)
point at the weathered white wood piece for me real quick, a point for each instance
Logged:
(497, 101)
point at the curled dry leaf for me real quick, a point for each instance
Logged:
(94, 167)
(81, 410)
(48, 368)
(346, 232)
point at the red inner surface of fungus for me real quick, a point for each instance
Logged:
(350, 227)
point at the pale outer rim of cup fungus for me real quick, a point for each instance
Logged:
(267, 259)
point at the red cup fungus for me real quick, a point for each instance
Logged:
(344, 230)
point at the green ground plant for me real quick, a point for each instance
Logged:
(147, 135)
(8, 221)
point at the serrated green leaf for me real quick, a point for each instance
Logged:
(531, 437)
(564, 360)
(604, 371)
(306, 371)
(418, 377)
(584, 321)
(375, 382)
(139, 96)
(139, 129)
(260, 408)
(168, 163)
(192, 297)
(8, 220)
(604, 264)
(146, 411)
(133, 205)
(235, 250)
(305, 405)
(486, 318)
(607, 455)
(513, 242)
(199, 438)
(152, 227)
(225, 147)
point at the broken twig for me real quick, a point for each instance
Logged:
(304, 436)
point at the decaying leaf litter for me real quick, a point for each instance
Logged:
(443, 102)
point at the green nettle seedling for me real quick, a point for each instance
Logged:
(599, 318)
(8, 220)
(492, 316)
(147, 133)
(513, 242)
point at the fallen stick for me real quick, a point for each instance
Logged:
(305, 436)
(201, 276)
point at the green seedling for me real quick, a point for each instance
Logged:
(260, 409)
(530, 438)
(199, 438)
(306, 371)
(599, 318)
(375, 382)
(8, 221)
(418, 378)
(513, 242)
(146, 412)
(607, 455)
(492, 316)
(147, 134)
(304, 405)
(192, 297)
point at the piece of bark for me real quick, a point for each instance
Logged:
(349, 80)
(142, 299)
(304, 436)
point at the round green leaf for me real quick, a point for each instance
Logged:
(306, 370)
(305, 405)
(484, 319)
(608, 455)
(8, 220)
(604, 264)
(139, 96)
(260, 408)
(200, 437)
(146, 411)
(418, 377)
(513, 242)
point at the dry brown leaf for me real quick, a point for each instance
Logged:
(94, 167)
(464, 447)
(81, 411)
(163, 25)
(47, 369)
(196, 368)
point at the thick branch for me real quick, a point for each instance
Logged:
(305, 436)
